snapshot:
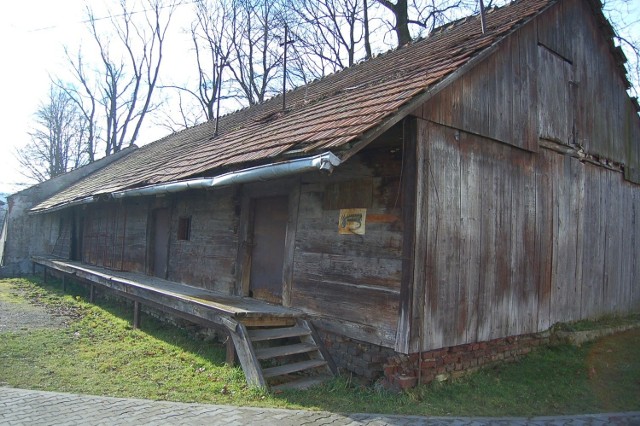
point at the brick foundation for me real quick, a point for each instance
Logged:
(363, 359)
(399, 371)
(406, 371)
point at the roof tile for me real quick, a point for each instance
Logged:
(326, 113)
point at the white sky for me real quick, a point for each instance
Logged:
(28, 55)
(32, 36)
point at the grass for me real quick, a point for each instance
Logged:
(608, 321)
(100, 354)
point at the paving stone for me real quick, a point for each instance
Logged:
(28, 407)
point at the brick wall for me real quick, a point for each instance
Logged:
(399, 371)
(363, 359)
(405, 371)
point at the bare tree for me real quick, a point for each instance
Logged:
(57, 139)
(82, 95)
(120, 89)
(332, 33)
(620, 14)
(212, 49)
(400, 13)
(423, 15)
(256, 55)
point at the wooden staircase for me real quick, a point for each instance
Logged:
(282, 357)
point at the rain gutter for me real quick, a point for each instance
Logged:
(323, 162)
(86, 200)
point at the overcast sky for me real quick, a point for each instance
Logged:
(32, 36)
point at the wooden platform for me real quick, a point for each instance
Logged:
(208, 305)
(244, 319)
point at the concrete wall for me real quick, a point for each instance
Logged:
(24, 235)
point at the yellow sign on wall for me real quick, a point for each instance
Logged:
(352, 221)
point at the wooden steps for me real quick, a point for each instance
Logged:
(295, 367)
(258, 335)
(279, 351)
(301, 384)
(286, 356)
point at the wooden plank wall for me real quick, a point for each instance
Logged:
(512, 237)
(603, 111)
(605, 120)
(495, 98)
(554, 79)
(352, 281)
(135, 219)
(208, 258)
(115, 236)
(515, 241)
(103, 235)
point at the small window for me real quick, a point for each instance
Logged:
(184, 228)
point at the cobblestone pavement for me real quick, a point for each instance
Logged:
(26, 407)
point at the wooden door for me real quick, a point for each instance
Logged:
(268, 243)
(160, 243)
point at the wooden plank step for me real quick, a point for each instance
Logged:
(292, 368)
(301, 384)
(257, 335)
(276, 351)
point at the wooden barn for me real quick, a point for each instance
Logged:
(427, 211)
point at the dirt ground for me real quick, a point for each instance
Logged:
(17, 314)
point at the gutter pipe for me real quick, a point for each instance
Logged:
(324, 162)
(86, 200)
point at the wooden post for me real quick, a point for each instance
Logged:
(247, 357)
(92, 293)
(136, 315)
(64, 283)
(44, 275)
(231, 352)
(33, 268)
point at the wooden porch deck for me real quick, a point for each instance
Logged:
(244, 320)
(207, 305)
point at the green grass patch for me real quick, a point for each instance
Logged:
(607, 321)
(9, 292)
(100, 354)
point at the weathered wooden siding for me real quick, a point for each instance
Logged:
(207, 259)
(135, 236)
(104, 231)
(352, 281)
(603, 116)
(115, 236)
(556, 79)
(513, 237)
(497, 97)
(511, 242)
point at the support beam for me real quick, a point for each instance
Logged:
(231, 352)
(136, 315)
(45, 275)
(92, 293)
(64, 283)
(247, 357)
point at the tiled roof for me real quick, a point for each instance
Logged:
(324, 115)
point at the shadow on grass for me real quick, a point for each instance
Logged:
(171, 330)
(550, 381)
